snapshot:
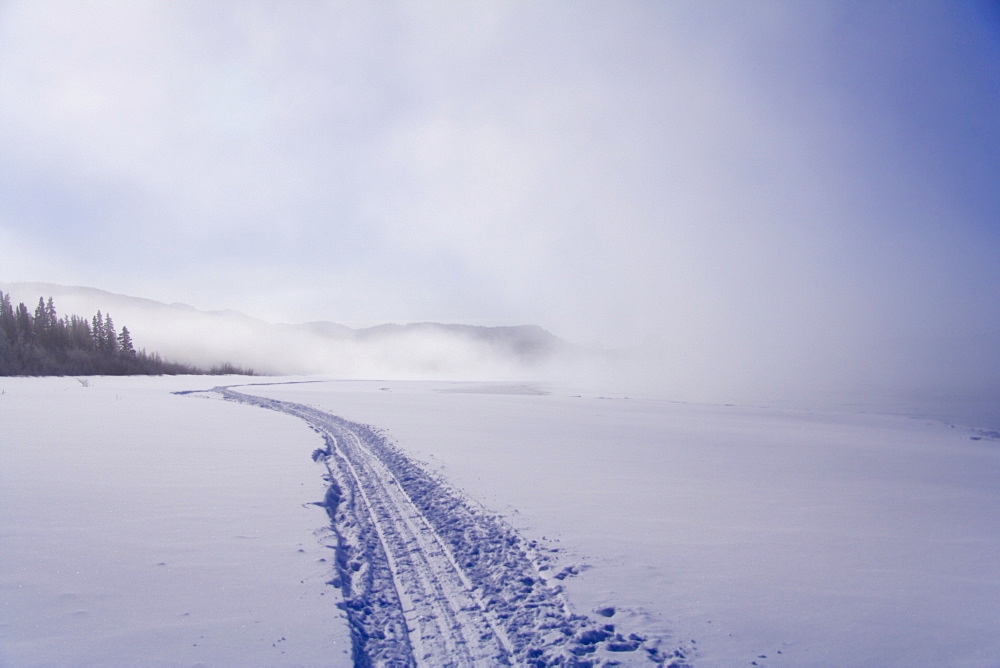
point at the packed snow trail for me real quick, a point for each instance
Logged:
(428, 580)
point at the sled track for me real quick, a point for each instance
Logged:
(429, 580)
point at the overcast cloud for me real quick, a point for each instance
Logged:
(758, 191)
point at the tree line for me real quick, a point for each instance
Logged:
(40, 343)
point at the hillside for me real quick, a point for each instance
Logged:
(418, 350)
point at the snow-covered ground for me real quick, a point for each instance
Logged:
(141, 528)
(145, 527)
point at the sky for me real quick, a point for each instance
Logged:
(754, 191)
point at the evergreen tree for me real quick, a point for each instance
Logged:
(125, 343)
(22, 323)
(41, 323)
(7, 366)
(110, 336)
(97, 330)
(46, 324)
(7, 322)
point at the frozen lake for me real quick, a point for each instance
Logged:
(145, 527)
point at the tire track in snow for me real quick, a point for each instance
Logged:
(427, 579)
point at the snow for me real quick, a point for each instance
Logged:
(144, 527)
(430, 578)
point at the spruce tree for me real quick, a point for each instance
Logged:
(125, 343)
(22, 323)
(41, 318)
(110, 335)
(97, 330)
(7, 322)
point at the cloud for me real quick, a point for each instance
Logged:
(757, 192)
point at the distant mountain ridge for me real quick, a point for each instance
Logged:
(416, 350)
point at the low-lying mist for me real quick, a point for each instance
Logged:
(417, 351)
(945, 377)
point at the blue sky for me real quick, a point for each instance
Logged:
(750, 187)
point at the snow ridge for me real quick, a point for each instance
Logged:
(427, 579)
